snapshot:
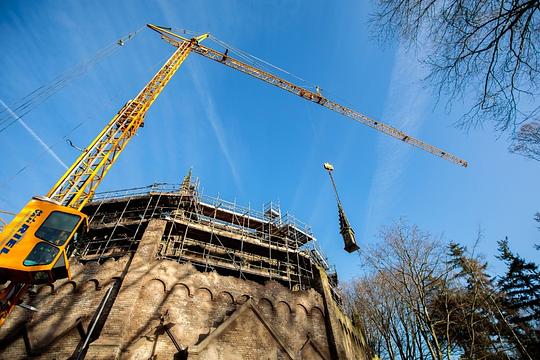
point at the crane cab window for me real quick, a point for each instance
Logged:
(41, 254)
(57, 228)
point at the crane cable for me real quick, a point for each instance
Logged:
(42, 93)
(263, 64)
(252, 59)
(39, 156)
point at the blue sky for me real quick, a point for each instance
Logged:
(252, 142)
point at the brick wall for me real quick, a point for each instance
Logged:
(165, 308)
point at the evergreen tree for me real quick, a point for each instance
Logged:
(521, 289)
(475, 310)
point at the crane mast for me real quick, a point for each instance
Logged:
(77, 186)
(36, 245)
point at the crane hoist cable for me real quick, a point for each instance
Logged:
(38, 158)
(30, 101)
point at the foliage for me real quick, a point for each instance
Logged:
(526, 141)
(521, 288)
(488, 48)
(422, 299)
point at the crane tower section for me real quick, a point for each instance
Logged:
(76, 187)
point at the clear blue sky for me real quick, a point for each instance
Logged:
(252, 142)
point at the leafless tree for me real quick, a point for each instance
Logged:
(404, 270)
(489, 48)
(526, 141)
(421, 298)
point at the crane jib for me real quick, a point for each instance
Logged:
(316, 97)
(226, 59)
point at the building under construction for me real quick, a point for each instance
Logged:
(168, 272)
(165, 271)
(211, 233)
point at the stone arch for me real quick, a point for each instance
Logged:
(229, 298)
(266, 305)
(97, 287)
(301, 309)
(242, 299)
(285, 306)
(316, 312)
(182, 286)
(204, 290)
(157, 280)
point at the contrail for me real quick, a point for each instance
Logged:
(34, 135)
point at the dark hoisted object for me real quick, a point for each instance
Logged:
(345, 228)
(346, 231)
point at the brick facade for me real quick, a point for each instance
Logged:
(164, 310)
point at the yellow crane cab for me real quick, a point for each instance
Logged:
(36, 245)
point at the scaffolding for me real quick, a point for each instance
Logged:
(209, 232)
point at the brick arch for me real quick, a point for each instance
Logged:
(73, 284)
(265, 303)
(283, 304)
(242, 299)
(226, 295)
(182, 286)
(46, 289)
(299, 308)
(68, 286)
(316, 311)
(159, 281)
(96, 284)
(204, 290)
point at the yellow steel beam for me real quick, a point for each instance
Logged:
(316, 97)
(76, 187)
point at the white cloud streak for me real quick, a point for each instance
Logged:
(405, 109)
(34, 135)
(216, 124)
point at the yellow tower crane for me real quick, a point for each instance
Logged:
(35, 246)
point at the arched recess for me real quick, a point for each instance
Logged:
(205, 293)
(46, 289)
(181, 289)
(242, 299)
(97, 286)
(284, 312)
(301, 309)
(226, 297)
(284, 308)
(149, 282)
(300, 312)
(67, 287)
(266, 305)
(316, 312)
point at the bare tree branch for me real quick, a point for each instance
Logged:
(487, 48)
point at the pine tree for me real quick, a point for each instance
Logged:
(521, 288)
(473, 311)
